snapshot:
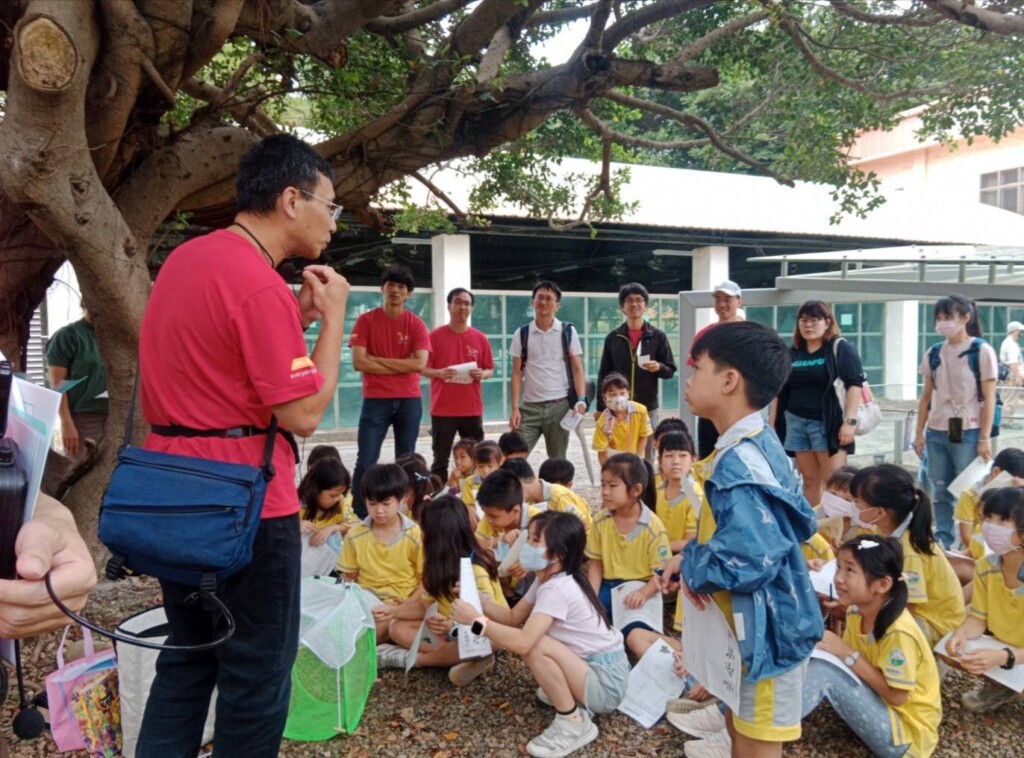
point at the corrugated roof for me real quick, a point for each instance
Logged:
(710, 200)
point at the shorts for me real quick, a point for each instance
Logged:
(606, 681)
(770, 709)
(804, 434)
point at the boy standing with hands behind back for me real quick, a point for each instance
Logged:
(752, 521)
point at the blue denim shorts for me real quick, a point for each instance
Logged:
(804, 434)
(606, 681)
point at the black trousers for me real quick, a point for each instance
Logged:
(443, 430)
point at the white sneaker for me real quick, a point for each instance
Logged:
(716, 746)
(391, 656)
(563, 736)
(703, 723)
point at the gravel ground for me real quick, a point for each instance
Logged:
(421, 714)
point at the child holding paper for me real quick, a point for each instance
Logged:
(505, 514)
(888, 503)
(967, 513)
(326, 503)
(447, 539)
(384, 554)
(752, 522)
(892, 699)
(623, 426)
(628, 542)
(575, 655)
(462, 457)
(998, 604)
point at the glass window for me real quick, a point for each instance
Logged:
(762, 314)
(1008, 199)
(990, 180)
(1010, 176)
(1003, 189)
(990, 197)
(786, 320)
(487, 314)
(873, 317)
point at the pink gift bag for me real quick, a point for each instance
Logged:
(66, 679)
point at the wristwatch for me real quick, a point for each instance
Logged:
(851, 659)
(479, 625)
(852, 421)
(1011, 659)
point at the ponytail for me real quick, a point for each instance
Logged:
(890, 487)
(650, 493)
(922, 536)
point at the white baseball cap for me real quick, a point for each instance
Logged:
(730, 288)
(1014, 326)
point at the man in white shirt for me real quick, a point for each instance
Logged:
(1010, 354)
(540, 374)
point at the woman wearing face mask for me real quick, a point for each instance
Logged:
(623, 426)
(957, 408)
(562, 633)
(886, 502)
(807, 414)
(998, 605)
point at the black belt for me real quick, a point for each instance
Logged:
(235, 432)
(549, 402)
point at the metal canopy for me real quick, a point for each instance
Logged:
(921, 272)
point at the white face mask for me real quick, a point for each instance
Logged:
(859, 521)
(837, 507)
(618, 402)
(999, 537)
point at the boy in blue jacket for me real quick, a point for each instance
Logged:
(754, 517)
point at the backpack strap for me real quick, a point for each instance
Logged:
(524, 338)
(934, 359)
(974, 362)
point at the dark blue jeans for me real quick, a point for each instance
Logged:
(252, 670)
(945, 462)
(404, 413)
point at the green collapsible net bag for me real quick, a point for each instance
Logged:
(337, 661)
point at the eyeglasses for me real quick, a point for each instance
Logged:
(810, 319)
(334, 208)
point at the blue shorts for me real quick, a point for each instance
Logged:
(804, 434)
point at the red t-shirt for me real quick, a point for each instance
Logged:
(449, 348)
(390, 338)
(689, 359)
(634, 336)
(221, 343)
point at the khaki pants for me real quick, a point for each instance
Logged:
(541, 419)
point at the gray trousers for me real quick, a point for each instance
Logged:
(541, 419)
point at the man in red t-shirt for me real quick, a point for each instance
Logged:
(220, 351)
(456, 397)
(390, 346)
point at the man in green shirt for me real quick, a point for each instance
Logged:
(74, 357)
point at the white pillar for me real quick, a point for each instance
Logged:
(449, 264)
(901, 337)
(710, 268)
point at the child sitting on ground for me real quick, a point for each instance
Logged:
(894, 705)
(548, 496)
(505, 514)
(677, 513)
(486, 458)
(566, 640)
(513, 445)
(319, 453)
(557, 471)
(447, 539)
(666, 425)
(422, 484)
(997, 607)
(384, 553)
(462, 457)
(968, 506)
(889, 503)
(627, 542)
(326, 503)
(836, 510)
(623, 426)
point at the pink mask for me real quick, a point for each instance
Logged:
(999, 537)
(947, 327)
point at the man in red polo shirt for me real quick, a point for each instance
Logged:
(221, 350)
(455, 404)
(390, 346)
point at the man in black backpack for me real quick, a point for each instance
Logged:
(545, 354)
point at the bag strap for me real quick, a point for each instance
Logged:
(524, 338)
(90, 648)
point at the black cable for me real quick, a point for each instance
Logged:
(138, 641)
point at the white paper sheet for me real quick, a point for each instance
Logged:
(1014, 678)
(513, 553)
(462, 373)
(571, 420)
(319, 560)
(711, 652)
(691, 493)
(835, 661)
(976, 470)
(652, 683)
(470, 646)
(651, 613)
(422, 635)
(642, 360)
(824, 580)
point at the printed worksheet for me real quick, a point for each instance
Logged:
(652, 683)
(824, 580)
(651, 613)
(462, 373)
(1014, 678)
(711, 652)
(470, 646)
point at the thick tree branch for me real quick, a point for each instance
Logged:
(242, 110)
(440, 195)
(708, 40)
(405, 22)
(621, 138)
(650, 14)
(477, 29)
(212, 26)
(562, 15)
(603, 187)
(668, 77)
(699, 124)
(980, 18)
(915, 19)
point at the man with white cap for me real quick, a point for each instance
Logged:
(1010, 354)
(728, 308)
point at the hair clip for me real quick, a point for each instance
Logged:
(902, 577)
(867, 544)
(421, 477)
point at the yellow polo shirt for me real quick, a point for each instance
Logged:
(968, 510)
(488, 530)
(562, 499)
(817, 547)
(487, 587)
(626, 434)
(905, 659)
(470, 486)
(999, 606)
(678, 514)
(628, 556)
(391, 570)
(933, 590)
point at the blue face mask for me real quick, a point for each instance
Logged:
(533, 558)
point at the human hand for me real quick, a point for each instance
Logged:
(815, 564)
(671, 567)
(955, 643)
(305, 527)
(580, 407)
(985, 449)
(320, 536)
(516, 570)
(919, 444)
(438, 625)
(652, 366)
(448, 374)
(634, 600)
(846, 434)
(49, 542)
(383, 612)
(510, 536)
(463, 612)
(698, 693)
(69, 434)
(980, 661)
(833, 643)
(328, 290)
(515, 419)
(476, 374)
